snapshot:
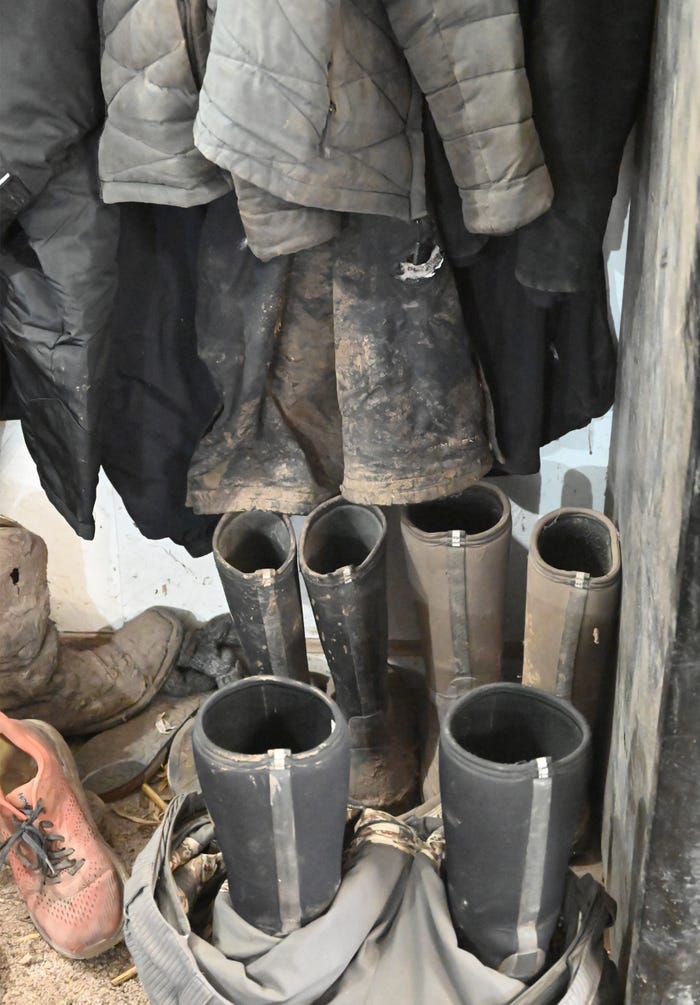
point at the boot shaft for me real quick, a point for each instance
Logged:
(573, 587)
(273, 759)
(255, 554)
(24, 596)
(457, 556)
(571, 626)
(342, 556)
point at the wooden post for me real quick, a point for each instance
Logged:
(652, 828)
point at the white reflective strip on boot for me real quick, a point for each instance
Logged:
(529, 959)
(284, 834)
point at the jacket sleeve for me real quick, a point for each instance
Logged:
(152, 64)
(467, 57)
(587, 62)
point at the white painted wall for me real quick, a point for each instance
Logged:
(120, 573)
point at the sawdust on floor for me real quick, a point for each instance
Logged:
(31, 972)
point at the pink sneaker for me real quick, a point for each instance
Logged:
(69, 878)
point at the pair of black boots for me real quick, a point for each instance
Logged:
(273, 759)
(342, 558)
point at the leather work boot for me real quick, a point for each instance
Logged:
(76, 687)
(457, 557)
(97, 686)
(342, 556)
(28, 638)
(255, 553)
(70, 880)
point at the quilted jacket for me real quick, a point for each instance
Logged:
(315, 108)
(319, 105)
(153, 59)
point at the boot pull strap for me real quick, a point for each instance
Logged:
(459, 613)
(568, 648)
(530, 957)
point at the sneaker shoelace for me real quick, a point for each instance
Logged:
(51, 859)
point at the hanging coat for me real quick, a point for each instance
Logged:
(159, 396)
(535, 302)
(57, 257)
(315, 109)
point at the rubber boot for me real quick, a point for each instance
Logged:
(571, 621)
(255, 554)
(514, 764)
(457, 556)
(342, 556)
(272, 756)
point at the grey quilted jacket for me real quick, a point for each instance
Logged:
(318, 105)
(153, 59)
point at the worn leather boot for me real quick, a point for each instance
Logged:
(342, 556)
(457, 556)
(571, 619)
(70, 880)
(255, 554)
(28, 638)
(76, 687)
(514, 765)
(272, 756)
(96, 686)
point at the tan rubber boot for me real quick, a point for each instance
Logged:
(571, 622)
(457, 556)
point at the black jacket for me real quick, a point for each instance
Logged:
(57, 258)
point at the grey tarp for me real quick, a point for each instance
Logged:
(386, 938)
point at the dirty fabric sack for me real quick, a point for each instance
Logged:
(264, 331)
(412, 407)
(386, 937)
(347, 363)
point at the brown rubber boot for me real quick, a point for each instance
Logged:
(76, 688)
(457, 557)
(571, 615)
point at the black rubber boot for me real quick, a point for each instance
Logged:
(342, 555)
(514, 765)
(272, 757)
(255, 554)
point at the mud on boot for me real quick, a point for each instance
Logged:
(342, 556)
